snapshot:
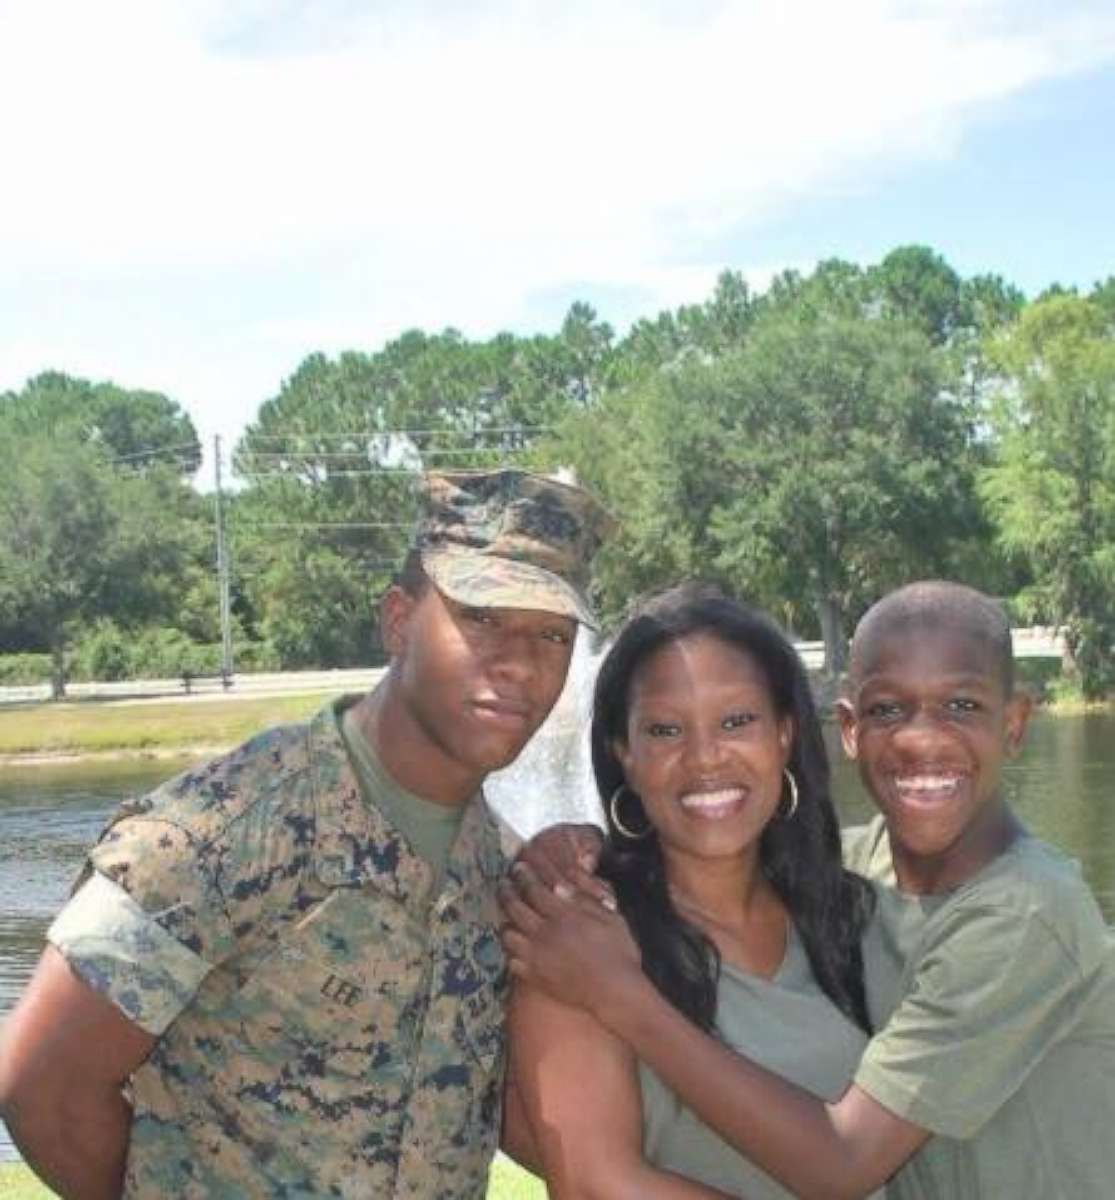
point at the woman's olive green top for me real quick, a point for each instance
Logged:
(786, 1024)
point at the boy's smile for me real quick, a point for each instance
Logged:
(930, 723)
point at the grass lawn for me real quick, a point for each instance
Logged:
(96, 726)
(17, 1183)
(508, 1182)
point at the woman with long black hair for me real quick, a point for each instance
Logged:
(723, 852)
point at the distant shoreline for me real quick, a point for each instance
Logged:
(56, 735)
(61, 758)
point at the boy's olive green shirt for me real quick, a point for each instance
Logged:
(326, 1025)
(995, 1011)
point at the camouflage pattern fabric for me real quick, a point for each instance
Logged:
(348, 1040)
(510, 539)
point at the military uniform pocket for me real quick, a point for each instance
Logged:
(335, 994)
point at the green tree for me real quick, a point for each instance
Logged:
(915, 284)
(139, 430)
(821, 463)
(55, 506)
(317, 610)
(1052, 484)
(137, 435)
(330, 463)
(846, 465)
(645, 449)
(77, 542)
(1103, 296)
(707, 330)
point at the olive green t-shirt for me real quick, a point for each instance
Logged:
(786, 1024)
(429, 828)
(995, 1011)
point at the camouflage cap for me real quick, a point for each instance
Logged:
(510, 539)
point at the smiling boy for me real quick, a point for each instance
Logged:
(990, 971)
(989, 968)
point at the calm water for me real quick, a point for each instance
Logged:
(1063, 786)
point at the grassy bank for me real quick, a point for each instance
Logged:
(105, 727)
(17, 1183)
(508, 1182)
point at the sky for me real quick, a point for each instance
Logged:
(196, 194)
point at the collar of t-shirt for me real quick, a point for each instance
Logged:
(429, 828)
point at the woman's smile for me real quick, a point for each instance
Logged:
(714, 804)
(705, 747)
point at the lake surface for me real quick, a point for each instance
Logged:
(1063, 786)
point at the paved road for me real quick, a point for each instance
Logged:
(1037, 642)
(141, 691)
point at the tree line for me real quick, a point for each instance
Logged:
(809, 447)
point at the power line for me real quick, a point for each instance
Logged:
(328, 473)
(457, 451)
(365, 564)
(193, 447)
(371, 434)
(239, 524)
(333, 474)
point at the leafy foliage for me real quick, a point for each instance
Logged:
(1052, 484)
(79, 541)
(332, 460)
(809, 446)
(138, 431)
(822, 460)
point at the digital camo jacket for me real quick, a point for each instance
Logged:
(327, 1027)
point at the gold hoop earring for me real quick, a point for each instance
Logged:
(613, 812)
(793, 806)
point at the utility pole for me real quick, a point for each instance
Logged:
(222, 573)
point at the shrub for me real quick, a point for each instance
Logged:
(104, 652)
(161, 653)
(24, 670)
(256, 656)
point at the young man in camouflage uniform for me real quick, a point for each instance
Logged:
(282, 975)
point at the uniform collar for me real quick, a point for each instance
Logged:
(355, 846)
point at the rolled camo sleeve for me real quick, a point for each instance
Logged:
(149, 924)
(126, 955)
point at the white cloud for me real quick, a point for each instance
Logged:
(584, 140)
(439, 164)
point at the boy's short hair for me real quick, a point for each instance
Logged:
(937, 605)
